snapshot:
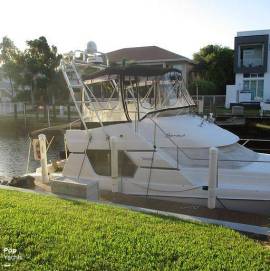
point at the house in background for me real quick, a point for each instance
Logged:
(251, 66)
(154, 56)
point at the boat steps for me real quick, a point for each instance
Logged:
(71, 187)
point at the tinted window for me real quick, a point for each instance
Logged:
(101, 163)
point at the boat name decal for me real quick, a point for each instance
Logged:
(175, 135)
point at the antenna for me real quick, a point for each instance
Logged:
(91, 47)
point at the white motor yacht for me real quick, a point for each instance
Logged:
(140, 135)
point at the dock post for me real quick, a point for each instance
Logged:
(54, 112)
(214, 106)
(203, 103)
(48, 116)
(212, 180)
(36, 113)
(45, 111)
(43, 158)
(24, 114)
(68, 112)
(114, 164)
(61, 111)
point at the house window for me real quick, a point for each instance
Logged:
(251, 56)
(254, 83)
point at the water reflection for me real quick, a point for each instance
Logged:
(14, 144)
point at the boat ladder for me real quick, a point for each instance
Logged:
(79, 92)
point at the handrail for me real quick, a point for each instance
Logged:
(71, 123)
(256, 139)
(85, 88)
(205, 159)
(246, 141)
(175, 144)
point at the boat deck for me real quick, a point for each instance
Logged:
(184, 208)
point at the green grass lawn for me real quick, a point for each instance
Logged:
(56, 234)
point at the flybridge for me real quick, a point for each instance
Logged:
(119, 94)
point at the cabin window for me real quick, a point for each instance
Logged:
(101, 163)
(126, 167)
(230, 156)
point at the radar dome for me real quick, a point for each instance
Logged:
(91, 47)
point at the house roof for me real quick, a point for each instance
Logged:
(145, 54)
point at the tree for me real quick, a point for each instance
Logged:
(57, 88)
(205, 87)
(41, 62)
(34, 71)
(214, 63)
(8, 57)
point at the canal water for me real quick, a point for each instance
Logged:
(14, 146)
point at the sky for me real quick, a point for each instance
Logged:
(181, 26)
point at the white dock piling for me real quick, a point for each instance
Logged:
(61, 111)
(48, 116)
(212, 180)
(114, 164)
(43, 158)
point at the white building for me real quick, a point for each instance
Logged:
(252, 68)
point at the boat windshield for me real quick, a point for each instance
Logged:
(129, 93)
